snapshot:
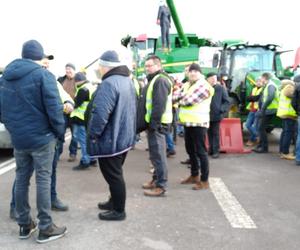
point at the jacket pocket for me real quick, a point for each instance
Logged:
(93, 147)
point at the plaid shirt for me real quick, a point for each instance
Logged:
(185, 99)
(189, 99)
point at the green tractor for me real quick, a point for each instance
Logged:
(237, 63)
(185, 49)
(239, 67)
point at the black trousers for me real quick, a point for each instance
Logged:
(263, 122)
(165, 36)
(214, 137)
(196, 149)
(111, 168)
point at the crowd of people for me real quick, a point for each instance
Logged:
(268, 101)
(105, 121)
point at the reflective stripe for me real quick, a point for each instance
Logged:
(167, 116)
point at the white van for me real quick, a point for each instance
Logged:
(5, 141)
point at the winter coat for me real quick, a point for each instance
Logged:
(111, 127)
(220, 103)
(30, 105)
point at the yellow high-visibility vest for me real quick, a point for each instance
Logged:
(136, 86)
(274, 103)
(79, 111)
(255, 91)
(167, 115)
(197, 113)
(285, 106)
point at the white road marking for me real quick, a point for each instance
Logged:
(234, 212)
(3, 164)
(7, 168)
(11, 164)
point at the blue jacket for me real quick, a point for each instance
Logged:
(111, 128)
(30, 106)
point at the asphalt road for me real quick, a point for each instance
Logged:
(253, 203)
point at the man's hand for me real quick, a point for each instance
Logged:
(68, 108)
(158, 22)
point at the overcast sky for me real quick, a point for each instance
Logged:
(79, 31)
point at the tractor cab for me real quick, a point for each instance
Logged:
(240, 66)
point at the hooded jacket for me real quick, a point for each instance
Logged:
(30, 106)
(112, 123)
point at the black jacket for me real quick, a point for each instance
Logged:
(161, 90)
(82, 96)
(220, 103)
(296, 98)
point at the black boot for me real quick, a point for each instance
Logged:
(107, 205)
(112, 215)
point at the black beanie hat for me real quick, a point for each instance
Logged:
(195, 66)
(210, 74)
(79, 77)
(33, 50)
(297, 78)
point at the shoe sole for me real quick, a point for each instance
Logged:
(160, 195)
(79, 169)
(28, 236)
(289, 159)
(51, 238)
(59, 209)
(119, 219)
(148, 187)
(200, 188)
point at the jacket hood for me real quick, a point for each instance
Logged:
(19, 68)
(120, 70)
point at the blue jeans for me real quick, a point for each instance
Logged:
(80, 136)
(170, 142)
(287, 134)
(73, 143)
(251, 125)
(27, 161)
(53, 178)
(73, 146)
(179, 128)
(298, 143)
(57, 153)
